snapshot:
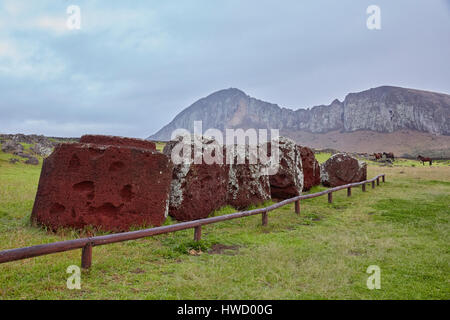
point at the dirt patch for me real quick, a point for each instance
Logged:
(224, 249)
(138, 271)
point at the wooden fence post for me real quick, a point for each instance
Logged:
(330, 197)
(198, 233)
(378, 181)
(363, 187)
(86, 256)
(349, 192)
(373, 184)
(382, 178)
(265, 218)
(297, 207)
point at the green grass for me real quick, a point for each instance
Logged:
(5, 157)
(402, 226)
(322, 156)
(160, 146)
(400, 162)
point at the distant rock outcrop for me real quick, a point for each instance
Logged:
(383, 109)
(40, 145)
(11, 146)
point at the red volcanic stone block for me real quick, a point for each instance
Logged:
(288, 181)
(118, 141)
(200, 187)
(109, 187)
(342, 169)
(197, 189)
(311, 168)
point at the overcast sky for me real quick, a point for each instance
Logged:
(134, 65)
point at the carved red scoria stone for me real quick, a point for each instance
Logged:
(311, 168)
(109, 187)
(118, 141)
(342, 169)
(197, 189)
(288, 181)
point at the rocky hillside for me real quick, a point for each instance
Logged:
(380, 110)
(28, 147)
(383, 109)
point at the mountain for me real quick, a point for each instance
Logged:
(379, 112)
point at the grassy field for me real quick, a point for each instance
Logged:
(402, 226)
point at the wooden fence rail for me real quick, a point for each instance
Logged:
(86, 244)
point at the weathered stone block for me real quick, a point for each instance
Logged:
(311, 168)
(109, 187)
(118, 141)
(248, 183)
(342, 169)
(288, 181)
(196, 189)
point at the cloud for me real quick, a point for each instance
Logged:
(132, 68)
(55, 24)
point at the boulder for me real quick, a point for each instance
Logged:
(118, 141)
(42, 149)
(109, 187)
(311, 168)
(32, 160)
(197, 189)
(288, 181)
(11, 146)
(13, 160)
(200, 187)
(248, 183)
(342, 169)
(22, 154)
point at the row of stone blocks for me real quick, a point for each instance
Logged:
(115, 183)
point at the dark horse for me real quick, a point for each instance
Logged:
(389, 155)
(377, 156)
(425, 159)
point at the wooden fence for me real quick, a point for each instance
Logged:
(86, 244)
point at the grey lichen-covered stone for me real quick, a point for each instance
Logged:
(32, 161)
(248, 183)
(199, 188)
(11, 146)
(42, 149)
